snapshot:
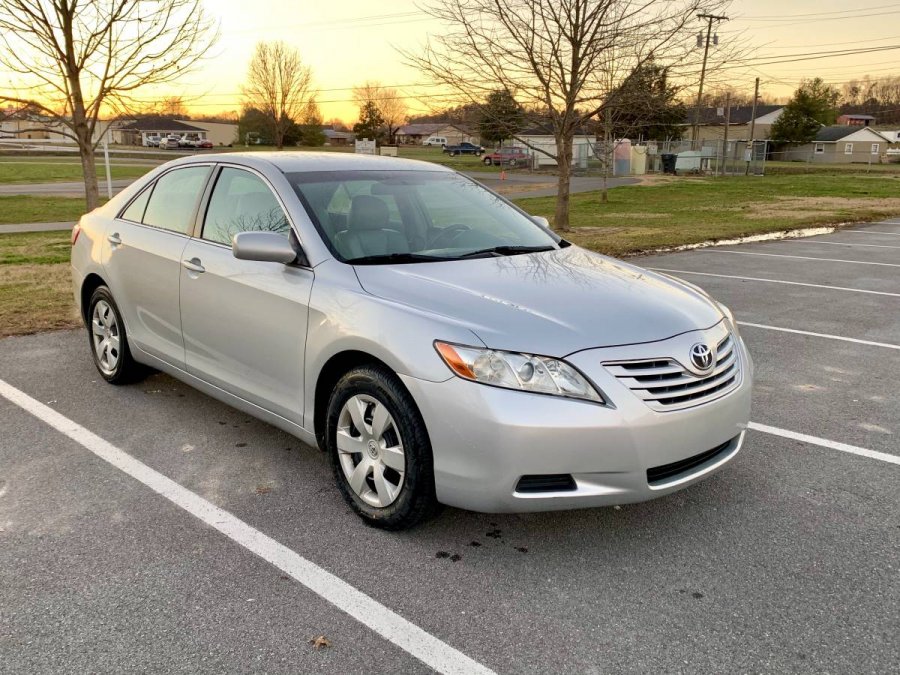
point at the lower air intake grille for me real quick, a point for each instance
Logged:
(660, 474)
(551, 482)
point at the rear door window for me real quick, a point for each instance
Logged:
(174, 199)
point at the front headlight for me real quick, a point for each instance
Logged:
(526, 372)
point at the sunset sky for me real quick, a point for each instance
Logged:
(348, 41)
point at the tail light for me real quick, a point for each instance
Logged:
(75, 232)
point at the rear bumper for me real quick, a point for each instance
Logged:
(485, 439)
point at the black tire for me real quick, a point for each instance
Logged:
(416, 501)
(488, 161)
(126, 370)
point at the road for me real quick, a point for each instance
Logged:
(787, 561)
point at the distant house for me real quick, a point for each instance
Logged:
(220, 133)
(137, 132)
(842, 145)
(416, 134)
(338, 138)
(712, 122)
(854, 120)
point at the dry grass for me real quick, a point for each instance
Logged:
(36, 298)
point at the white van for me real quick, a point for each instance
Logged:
(435, 140)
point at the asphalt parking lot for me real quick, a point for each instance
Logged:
(788, 560)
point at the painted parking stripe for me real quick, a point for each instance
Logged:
(894, 234)
(869, 343)
(775, 281)
(837, 243)
(801, 257)
(369, 612)
(825, 443)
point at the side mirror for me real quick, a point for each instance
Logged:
(543, 222)
(263, 247)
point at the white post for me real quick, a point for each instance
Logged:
(108, 172)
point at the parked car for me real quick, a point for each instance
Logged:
(437, 342)
(464, 148)
(205, 143)
(171, 143)
(188, 141)
(152, 141)
(435, 140)
(511, 156)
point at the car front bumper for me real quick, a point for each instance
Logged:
(485, 439)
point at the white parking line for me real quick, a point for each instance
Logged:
(825, 443)
(775, 281)
(894, 234)
(870, 343)
(372, 614)
(837, 243)
(800, 257)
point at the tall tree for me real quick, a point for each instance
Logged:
(814, 104)
(561, 57)
(311, 126)
(279, 85)
(500, 118)
(78, 59)
(390, 103)
(371, 123)
(646, 106)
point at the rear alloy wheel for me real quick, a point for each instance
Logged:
(109, 342)
(380, 450)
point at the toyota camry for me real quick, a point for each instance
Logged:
(440, 344)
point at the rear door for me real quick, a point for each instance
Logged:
(244, 322)
(143, 263)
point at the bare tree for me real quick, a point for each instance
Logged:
(78, 59)
(279, 85)
(390, 103)
(561, 57)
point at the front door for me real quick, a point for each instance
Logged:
(244, 322)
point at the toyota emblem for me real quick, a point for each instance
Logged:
(701, 356)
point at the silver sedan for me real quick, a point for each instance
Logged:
(438, 343)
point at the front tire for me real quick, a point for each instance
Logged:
(379, 449)
(109, 341)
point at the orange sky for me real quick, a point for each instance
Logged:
(348, 41)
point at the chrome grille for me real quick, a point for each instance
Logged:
(664, 384)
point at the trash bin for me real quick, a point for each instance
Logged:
(668, 162)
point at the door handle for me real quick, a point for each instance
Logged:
(114, 239)
(193, 265)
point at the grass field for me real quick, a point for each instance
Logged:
(35, 292)
(52, 171)
(35, 283)
(690, 210)
(40, 209)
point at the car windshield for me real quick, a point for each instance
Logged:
(378, 217)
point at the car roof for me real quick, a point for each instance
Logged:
(290, 162)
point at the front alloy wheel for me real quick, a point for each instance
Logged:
(379, 449)
(370, 451)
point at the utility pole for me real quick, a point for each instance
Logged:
(709, 23)
(725, 140)
(752, 127)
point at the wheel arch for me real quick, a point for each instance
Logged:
(333, 370)
(91, 283)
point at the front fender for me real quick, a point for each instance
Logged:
(343, 317)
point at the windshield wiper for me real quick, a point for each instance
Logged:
(394, 258)
(506, 250)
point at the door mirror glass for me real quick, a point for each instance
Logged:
(263, 247)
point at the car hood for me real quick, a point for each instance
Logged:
(552, 303)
